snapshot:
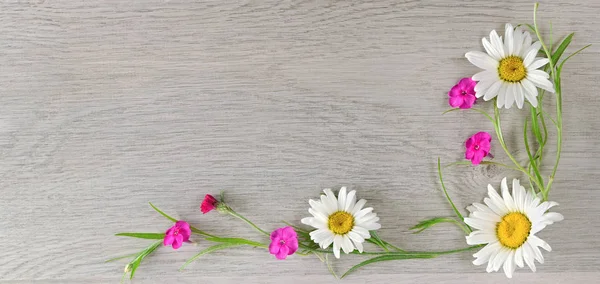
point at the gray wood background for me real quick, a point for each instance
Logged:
(107, 105)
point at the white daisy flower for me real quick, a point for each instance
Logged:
(341, 221)
(510, 68)
(508, 225)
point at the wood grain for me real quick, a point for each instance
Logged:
(107, 105)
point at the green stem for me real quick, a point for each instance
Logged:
(498, 128)
(558, 103)
(448, 196)
(467, 163)
(235, 214)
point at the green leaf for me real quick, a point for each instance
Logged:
(387, 258)
(163, 213)
(561, 48)
(236, 241)
(569, 57)
(208, 250)
(153, 236)
(439, 168)
(423, 225)
(121, 257)
(377, 240)
(135, 263)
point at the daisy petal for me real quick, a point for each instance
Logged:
(481, 60)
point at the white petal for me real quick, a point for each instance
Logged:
(493, 256)
(327, 242)
(491, 217)
(528, 256)
(526, 43)
(480, 224)
(357, 238)
(350, 201)
(482, 208)
(358, 206)
(483, 85)
(358, 245)
(509, 265)
(314, 222)
(516, 186)
(329, 201)
(347, 245)
(369, 218)
(361, 231)
(517, 41)
(318, 215)
(497, 43)
(540, 82)
(531, 52)
(535, 241)
(501, 95)
(499, 202)
(337, 243)
(483, 255)
(538, 63)
(519, 257)
(508, 38)
(481, 60)
(341, 199)
(519, 96)
(553, 217)
(486, 76)
(490, 49)
(371, 226)
(492, 91)
(508, 201)
(318, 206)
(510, 95)
(479, 237)
(530, 91)
(320, 235)
(363, 212)
(537, 254)
(500, 258)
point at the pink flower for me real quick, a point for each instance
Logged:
(463, 94)
(208, 204)
(478, 146)
(177, 234)
(284, 242)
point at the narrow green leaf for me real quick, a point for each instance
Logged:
(386, 258)
(121, 257)
(153, 236)
(138, 260)
(561, 48)
(237, 241)
(569, 57)
(531, 160)
(426, 224)
(450, 110)
(208, 250)
(163, 213)
(377, 240)
(439, 168)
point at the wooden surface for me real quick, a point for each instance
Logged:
(107, 105)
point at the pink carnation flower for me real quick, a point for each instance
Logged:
(284, 242)
(177, 234)
(208, 204)
(478, 146)
(462, 95)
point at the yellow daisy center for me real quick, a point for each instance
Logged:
(513, 230)
(511, 69)
(341, 222)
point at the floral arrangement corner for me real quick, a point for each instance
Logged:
(503, 228)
